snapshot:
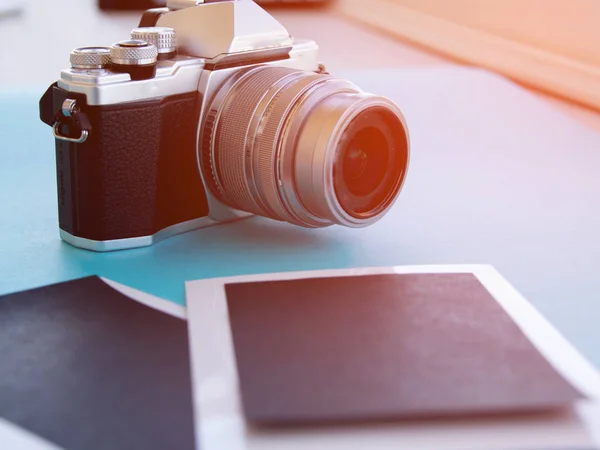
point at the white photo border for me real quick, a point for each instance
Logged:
(220, 422)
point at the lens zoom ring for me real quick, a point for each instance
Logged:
(232, 136)
(268, 138)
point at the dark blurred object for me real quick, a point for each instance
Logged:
(129, 5)
(10, 7)
(137, 5)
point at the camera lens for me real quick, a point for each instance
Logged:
(369, 163)
(302, 147)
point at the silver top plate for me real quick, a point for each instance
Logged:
(213, 29)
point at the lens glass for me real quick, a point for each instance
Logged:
(364, 161)
(370, 162)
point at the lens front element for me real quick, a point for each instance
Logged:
(363, 162)
(370, 162)
(305, 148)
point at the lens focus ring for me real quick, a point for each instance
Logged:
(269, 139)
(233, 166)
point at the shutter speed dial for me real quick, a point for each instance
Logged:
(163, 38)
(133, 53)
(135, 57)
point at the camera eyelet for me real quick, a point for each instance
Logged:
(69, 109)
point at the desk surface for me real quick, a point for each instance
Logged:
(521, 196)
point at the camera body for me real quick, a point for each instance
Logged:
(165, 132)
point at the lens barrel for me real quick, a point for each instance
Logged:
(302, 147)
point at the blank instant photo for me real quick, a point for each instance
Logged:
(423, 357)
(92, 364)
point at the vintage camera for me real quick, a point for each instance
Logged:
(210, 112)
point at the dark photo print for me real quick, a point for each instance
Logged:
(383, 346)
(86, 367)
